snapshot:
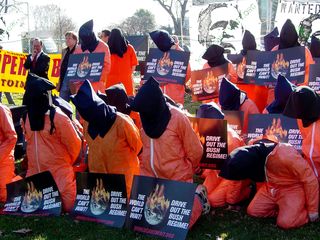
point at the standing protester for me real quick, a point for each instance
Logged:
(37, 62)
(63, 86)
(52, 142)
(105, 34)
(123, 61)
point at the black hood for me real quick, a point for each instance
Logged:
(88, 39)
(210, 110)
(37, 99)
(116, 96)
(92, 109)
(214, 56)
(248, 42)
(154, 111)
(65, 107)
(282, 91)
(162, 39)
(271, 40)
(288, 36)
(315, 47)
(117, 42)
(304, 104)
(247, 162)
(229, 96)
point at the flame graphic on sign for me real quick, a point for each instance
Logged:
(276, 129)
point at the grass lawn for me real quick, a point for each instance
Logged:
(221, 224)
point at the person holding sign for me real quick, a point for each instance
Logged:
(52, 142)
(171, 149)
(89, 43)
(222, 191)
(291, 192)
(123, 61)
(164, 41)
(233, 99)
(8, 139)
(304, 104)
(282, 91)
(113, 139)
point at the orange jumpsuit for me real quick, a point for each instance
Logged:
(8, 139)
(248, 107)
(117, 151)
(291, 192)
(55, 153)
(174, 155)
(122, 69)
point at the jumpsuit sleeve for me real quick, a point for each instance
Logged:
(132, 134)
(8, 132)
(107, 61)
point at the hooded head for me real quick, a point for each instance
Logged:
(65, 107)
(154, 111)
(37, 98)
(282, 91)
(315, 47)
(116, 96)
(117, 42)
(304, 104)
(271, 40)
(230, 96)
(288, 36)
(214, 56)
(88, 39)
(210, 110)
(92, 109)
(162, 39)
(248, 42)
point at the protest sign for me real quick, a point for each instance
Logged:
(101, 198)
(36, 195)
(167, 67)
(141, 46)
(314, 77)
(235, 120)
(160, 207)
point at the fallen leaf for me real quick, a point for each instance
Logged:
(23, 231)
(208, 235)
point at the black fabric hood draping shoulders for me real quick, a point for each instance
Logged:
(92, 109)
(162, 39)
(154, 111)
(304, 104)
(210, 110)
(315, 47)
(214, 56)
(116, 96)
(65, 107)
(288, 36)
(88, 39)
(36, 98)
(271, 40)
(117, 42)
(229, 95)
(248, 42)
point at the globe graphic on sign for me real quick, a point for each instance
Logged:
(32, 199)
(99, 198)
(84, 67)
(279, 66)
(164, 64)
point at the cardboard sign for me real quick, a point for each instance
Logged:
(214, 138)
(101, 198)
(316, 60)
(85, 66)
(167, 67)
(263, 68)
(314, 77)
(235, 120)
(141, 45)
(205, 83)
(160, 207)
(275, 126)
(36, 195)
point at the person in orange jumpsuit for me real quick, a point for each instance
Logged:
(291, 192)
(233, 99)
(282, 91)
(52, 144)
(8, 139)
(113, 139)
(271, 40)
(289, 39)
(123, 61)
(222, 191)
(89, 43)
(171, 149)
(304, 104)
(164, 41)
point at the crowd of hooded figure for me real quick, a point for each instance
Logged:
(148, 133)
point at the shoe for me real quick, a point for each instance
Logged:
(202, 193)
